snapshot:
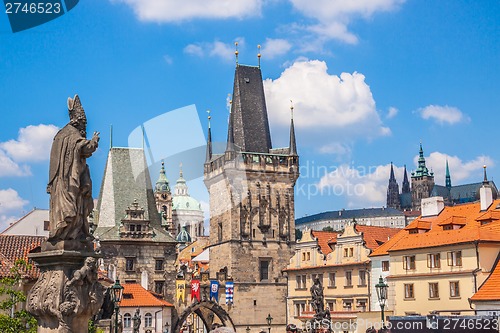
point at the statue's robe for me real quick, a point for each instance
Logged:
(70, 186)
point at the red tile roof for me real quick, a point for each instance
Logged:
(324, 239)
(468, 215)
(375, 236)
(489, 290)
(14, 247)
(134, 295)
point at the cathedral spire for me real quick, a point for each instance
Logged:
(293, 145)
(448, 177)
(406, 183)
(392, 178)
(393, 200)
(209, 140)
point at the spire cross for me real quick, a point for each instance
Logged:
(291, 109)
(209, 117)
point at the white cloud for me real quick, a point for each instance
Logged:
(336, 148)
(168, 59)
(443, 114)
(177, 11)
(332, 17)
(460, 171)
(361, 186)
(392, 112)
(10, 168)
(32, 145)
(327, 108)
(275, 47)
(10, 202)
(214, 49)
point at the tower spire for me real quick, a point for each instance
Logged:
(485, 180)
(209, 140)
(258, 54)
(406, 183)
(448, 177)
(236, 53)
(392, 177)
(393, 200)
(293, 144)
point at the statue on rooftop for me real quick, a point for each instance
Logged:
(70, 186)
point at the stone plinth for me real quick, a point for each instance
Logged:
(67, 293)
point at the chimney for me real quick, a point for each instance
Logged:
(486, 197)
(432, 206)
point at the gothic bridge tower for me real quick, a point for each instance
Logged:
(251, 188)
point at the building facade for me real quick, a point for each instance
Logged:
(251, 189)
(439, 261)
(35, 223)
(341, 262)
(134, 245)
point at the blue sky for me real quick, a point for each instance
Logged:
(369, 79)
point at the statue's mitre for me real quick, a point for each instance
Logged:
(75, 108)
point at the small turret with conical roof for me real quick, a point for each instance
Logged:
(163, 198)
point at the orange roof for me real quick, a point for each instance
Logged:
(466, 215)
(13, 247)
(324, 238)
(375, 236)
(489, 290)
(134, 295)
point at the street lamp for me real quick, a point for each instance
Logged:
(381, 288)
(116, 298)
(269, 321)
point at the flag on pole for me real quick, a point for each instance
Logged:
(229, 292)
(214, 290)
(195, 289)
(180, 286)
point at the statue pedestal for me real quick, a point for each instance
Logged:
(67, 293)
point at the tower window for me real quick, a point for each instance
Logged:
(129, 264)
(264, 266)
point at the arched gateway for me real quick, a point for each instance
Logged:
(209, 312)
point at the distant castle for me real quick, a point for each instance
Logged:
(422, 186)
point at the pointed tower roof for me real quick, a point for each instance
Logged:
(392, 178)
(162, 184)
(448, 177)
(181, 187)
(406, 183)
(293, 144)
(183, 236)
(248, 123)
(126, 179)
(421, 168)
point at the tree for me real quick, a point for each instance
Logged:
(328, 228)
(298, 234)
(11, 321)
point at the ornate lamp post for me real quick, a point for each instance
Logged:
(116, 298)
(381, 288)
(269, 321)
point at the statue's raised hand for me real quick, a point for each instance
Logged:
(95, 137)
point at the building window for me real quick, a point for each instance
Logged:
(158, 264)
(455, 258)
(159, 287)
(434, 260)
(351, 252)
(348, 279)
(308, 255)
(433, 290)
(347, 304)
(46, 225)
(127, 320)
(301, 281)
(331, 305)
(219, 232)
(454, 289)
(409, 262)
(362, 278)
(331, 280)
(409, 291)
(131, 227)
(346, 252)
(303, 256)
(385, 266)
(129, 264)
(148, 320)
(361, 305)
(299, 308)
(264, 269)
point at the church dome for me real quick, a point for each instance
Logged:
(183, 236)
(185, 202)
